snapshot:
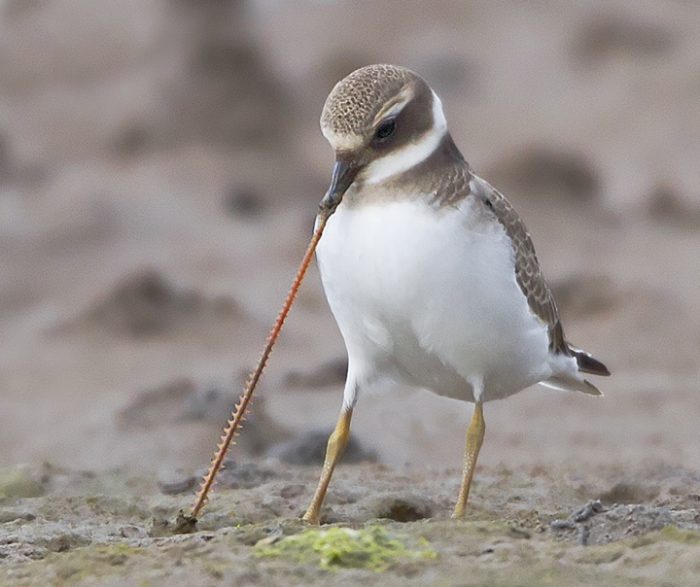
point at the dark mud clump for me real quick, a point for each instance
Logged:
(162, 405)
(310, 449)
(237, 475)
(667, 205)
(332, 372)
(146, 304)
(606, 37)
(184, 400)
(542, 172)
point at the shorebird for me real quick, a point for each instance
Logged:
(429, 271)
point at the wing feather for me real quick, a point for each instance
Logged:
(527, 267)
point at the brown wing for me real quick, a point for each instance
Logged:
(527, 268)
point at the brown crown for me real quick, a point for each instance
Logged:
(356, 99)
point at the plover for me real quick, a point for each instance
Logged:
(430, 273)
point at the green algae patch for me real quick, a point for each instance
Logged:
(668, 534)
(19, 482)
(372, 548)
(675, 534)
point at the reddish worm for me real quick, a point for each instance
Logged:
(238, 414)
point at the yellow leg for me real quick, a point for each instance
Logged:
(337, 442)
(475, 437)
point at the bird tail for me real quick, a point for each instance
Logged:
(586, 363)
(561, 383)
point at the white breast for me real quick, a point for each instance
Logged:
(429, 298)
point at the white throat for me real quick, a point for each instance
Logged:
(413, 153)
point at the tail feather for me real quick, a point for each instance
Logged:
(571, 384)
(568, 381)
(587, 363)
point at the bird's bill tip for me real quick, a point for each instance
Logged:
(345, 170)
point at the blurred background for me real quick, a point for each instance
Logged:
(160, 167)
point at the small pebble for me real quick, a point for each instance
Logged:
(588, 511)
(519, 532)
(132, 532)
(175, 482)
(562, 525)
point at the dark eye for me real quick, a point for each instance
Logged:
(385, 130)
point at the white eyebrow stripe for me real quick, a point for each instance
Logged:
(407, 94)
(412, 154)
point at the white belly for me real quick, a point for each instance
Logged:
(429, 298)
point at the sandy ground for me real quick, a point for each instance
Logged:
(526, 526)
(160, 165)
